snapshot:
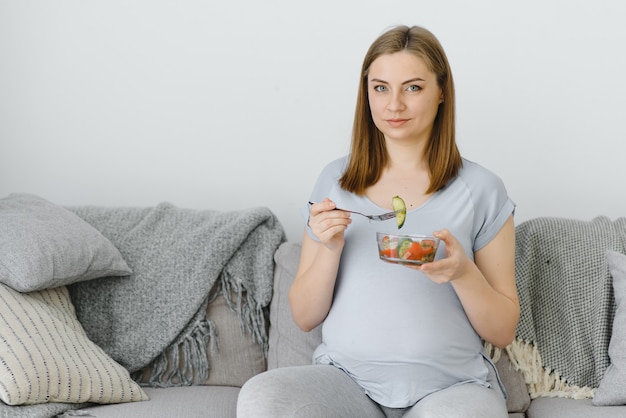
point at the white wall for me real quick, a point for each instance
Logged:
(234, 104)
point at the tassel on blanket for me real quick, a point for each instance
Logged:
(251, 316)
(185, 362)
(541, 381)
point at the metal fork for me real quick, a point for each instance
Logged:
(383, 217)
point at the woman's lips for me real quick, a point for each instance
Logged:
(396, 123)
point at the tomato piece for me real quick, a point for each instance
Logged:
(414, 252)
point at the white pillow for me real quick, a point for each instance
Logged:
(45, 355)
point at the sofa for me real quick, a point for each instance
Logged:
(166, 312)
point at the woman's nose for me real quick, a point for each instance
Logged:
(395, 102)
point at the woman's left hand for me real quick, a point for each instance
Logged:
(454, 265)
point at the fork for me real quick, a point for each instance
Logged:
(383, 217)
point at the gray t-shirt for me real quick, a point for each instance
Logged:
(395, 332)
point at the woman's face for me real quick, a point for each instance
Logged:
(403, 96)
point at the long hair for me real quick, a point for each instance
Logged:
(368, 155)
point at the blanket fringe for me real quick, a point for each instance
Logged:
(251, 316)
(541, 381)
(186, 362)
(183, 363)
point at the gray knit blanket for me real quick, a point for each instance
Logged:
(566, 294)
(180, 259)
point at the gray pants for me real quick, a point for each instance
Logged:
(322, 391)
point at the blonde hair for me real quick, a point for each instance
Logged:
(368, 155)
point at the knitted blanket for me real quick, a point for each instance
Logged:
(179, 258)
(567, 304)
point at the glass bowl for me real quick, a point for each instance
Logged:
(406, 248)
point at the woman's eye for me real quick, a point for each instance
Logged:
(380, 88)
(414, 88)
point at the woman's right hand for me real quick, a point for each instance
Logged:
(328, 224)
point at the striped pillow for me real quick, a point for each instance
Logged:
(45, 355)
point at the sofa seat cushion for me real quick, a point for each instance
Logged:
(572, 408)
(175, 402)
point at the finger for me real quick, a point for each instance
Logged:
(443, 235)
(434, 266)
(330, 233)
(337, 229)
(322, 206)
(327, 220)
(331, 219)
(451, 243)
(439, 266)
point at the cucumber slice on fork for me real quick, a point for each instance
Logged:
(399, 207)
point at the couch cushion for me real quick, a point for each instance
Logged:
(612, 388)
(517, 391)
(44, 245)
(45, 355)
(288, 344)
(175, 402)
(572, 408)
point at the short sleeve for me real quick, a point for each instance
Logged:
(492, 205)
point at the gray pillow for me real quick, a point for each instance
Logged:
(612, 388)
(43, 245)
